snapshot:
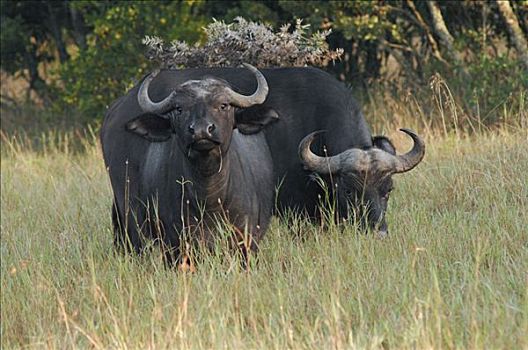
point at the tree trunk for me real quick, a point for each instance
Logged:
(57, 35)
(373, 61)
(428, 34)
(79, 31)
(36, 83)
(443, 33)
(515, 31)
(404, 63)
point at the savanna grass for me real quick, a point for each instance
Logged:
(453, 273)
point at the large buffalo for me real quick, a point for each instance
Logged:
(179, 164)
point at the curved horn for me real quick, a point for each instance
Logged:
(146, 104)
(409, 160)
(313, 162)
(258, 97)
(362, 160)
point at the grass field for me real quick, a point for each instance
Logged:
(453, 274)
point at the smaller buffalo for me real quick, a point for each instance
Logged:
(362, 174)
(182, 163)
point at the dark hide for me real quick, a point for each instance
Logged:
(163, 188)
(301, 100)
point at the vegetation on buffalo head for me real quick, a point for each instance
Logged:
(230, 44)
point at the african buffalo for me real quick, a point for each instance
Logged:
(364, 174)
(181, 163)
(305, 100)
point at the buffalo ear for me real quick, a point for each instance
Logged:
(150, 127)
(384, 144)
(252, 120)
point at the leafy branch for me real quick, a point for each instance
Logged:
(229, 45)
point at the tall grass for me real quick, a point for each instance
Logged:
(453, 273)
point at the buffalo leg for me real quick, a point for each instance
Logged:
(126, 234)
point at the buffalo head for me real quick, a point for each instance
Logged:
(200, 112)
(364, 177)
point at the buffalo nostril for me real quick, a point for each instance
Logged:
(191, 129)
(211, 128)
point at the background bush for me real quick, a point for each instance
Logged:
(74, 57)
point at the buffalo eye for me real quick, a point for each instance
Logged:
(178, 110)
(224, 107)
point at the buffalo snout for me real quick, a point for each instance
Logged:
(202, 130)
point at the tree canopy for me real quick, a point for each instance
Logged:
(80, 55)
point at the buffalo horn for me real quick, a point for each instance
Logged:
(313, 162)
(257, 98)
(409, 160)
(146, 104)
(355, 159)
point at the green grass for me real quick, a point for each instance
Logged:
(453, 274)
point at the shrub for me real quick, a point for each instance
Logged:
(113, 59)
(229, 45)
